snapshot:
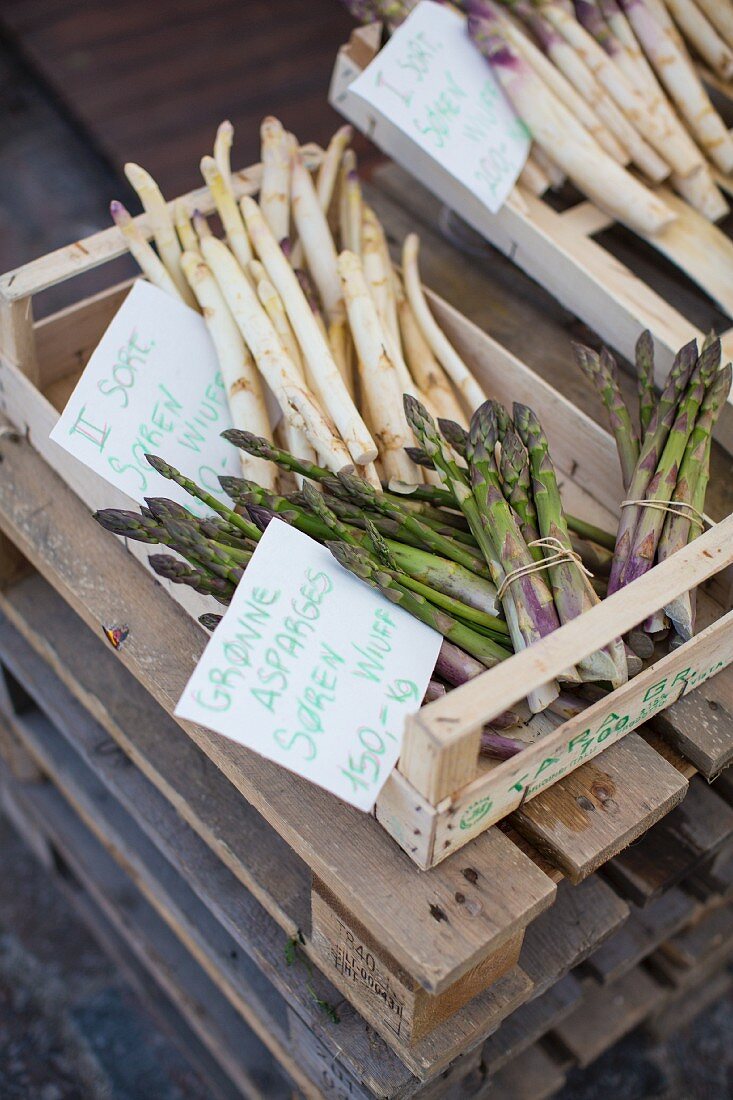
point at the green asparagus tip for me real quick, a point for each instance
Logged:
(353, 558)
(163, 508)
(357, 487)
(238, 486)
(261, 517)
(454, 434)
(210, 621)
(255, 445)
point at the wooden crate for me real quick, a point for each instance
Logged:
(561, 249)
(442, 796)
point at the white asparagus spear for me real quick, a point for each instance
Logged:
(201, 225)
(328, 172)
(565, 91)
(575, 69)
(350, 203)
(222, 151)
(236, 234)
(390, 319)
(161, 224)
(147, 258)
(425, 368)
(314, 235)
(241, 381)
(274, 364)
(275, 310)
(684, 86)
(720, 14)
(533, 177)
(379, 378)
(553, 127)
(556, 176)
(184, 229)
(703, 36)
(469, 389)
(316, 352)
(627, 98)
(275, 186)
(634, 64)
(702, 192)
(296, 441)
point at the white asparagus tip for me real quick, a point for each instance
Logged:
(271, 125)
(121, 216)
(225, 129)
(137, 176)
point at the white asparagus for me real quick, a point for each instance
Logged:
(552, 126)
(222, 151)
(701, 34)
(577, 72)
(184, 229)
(626, 97)
(329, 170)
(201, 225)
(701, 192)
(298, 406)
(720, 14)
(425, 368)
(634, 64)
(245, 397)
(275, 186)
(533, 177)
(673, 68)
(469, 389)
(350, 203)
(320, 252)
(161, 224)
(565, 91)
(390, 285)
(295, 440)
(556, 176)
(143, 252)
(379, 378)
(315, 348)
(226, 205)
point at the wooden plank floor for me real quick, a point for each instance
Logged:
(151, 81)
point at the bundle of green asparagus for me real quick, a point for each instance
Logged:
(665, 463)
(609, 92)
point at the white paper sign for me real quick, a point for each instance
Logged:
(313, 669)
(152, 385)
(433, 84)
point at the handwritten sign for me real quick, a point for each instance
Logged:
(432, 83)
(152, 385)
(289, 674)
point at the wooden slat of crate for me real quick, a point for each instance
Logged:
(215, 1022)
(530, 1022)
(597, 810)
(674, 847)
(642, 933)
(714, 879)
(582, 918)
(607, 1013)
(348, 850)
(534, 1076)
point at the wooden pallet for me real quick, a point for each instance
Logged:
(617, 284)
(104, 814)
